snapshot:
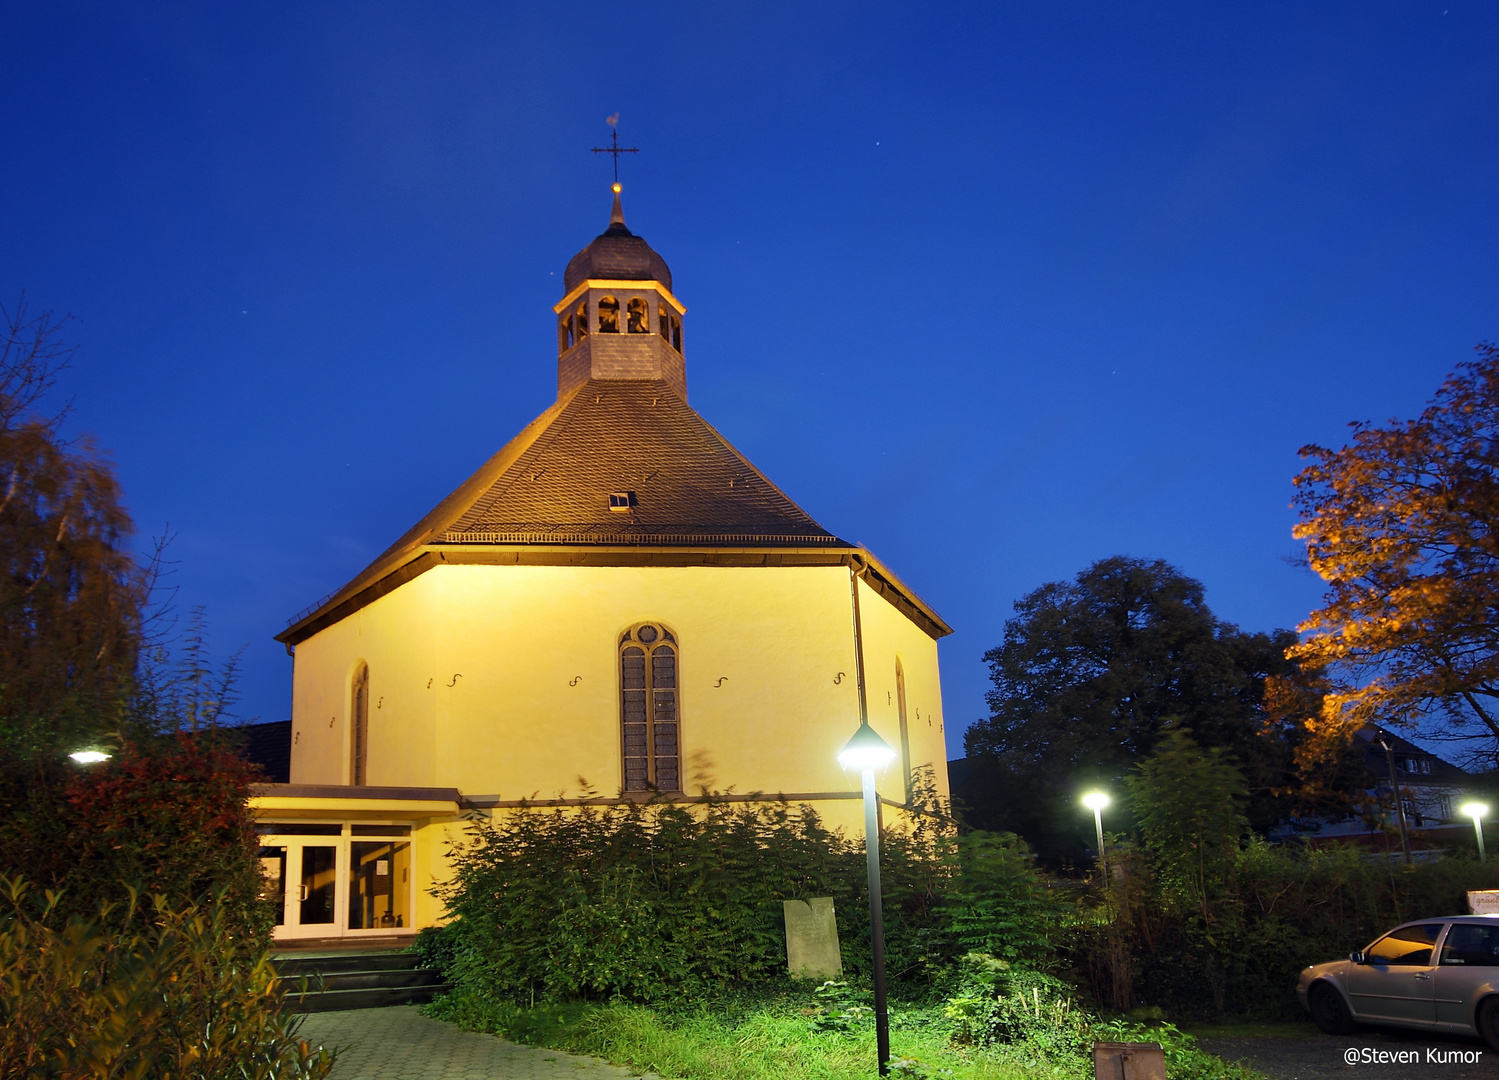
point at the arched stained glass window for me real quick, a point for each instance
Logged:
(648, 709)
(608, 315)
(638, 316)
(359, 726)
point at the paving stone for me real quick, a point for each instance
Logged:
(398, 1043)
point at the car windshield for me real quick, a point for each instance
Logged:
(1410, 945)
(1475, 946)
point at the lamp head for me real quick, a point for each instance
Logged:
(866, 750)
(1095, 800)
(1474, 809)
(89, 757)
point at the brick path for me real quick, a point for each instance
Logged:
(398, 1043)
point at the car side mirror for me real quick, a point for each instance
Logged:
(1357, 957)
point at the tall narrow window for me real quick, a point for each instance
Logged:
(648, 709)
(676, 333)
(359, 726)
(608, 315)
(663, 322)
(565, 334)
(905, 735)
(638, 316)
(581, 316)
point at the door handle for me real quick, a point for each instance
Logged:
(1423, 976)
(303, 895)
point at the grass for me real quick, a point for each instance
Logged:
(770, 1038)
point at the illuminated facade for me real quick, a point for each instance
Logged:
(617, 605)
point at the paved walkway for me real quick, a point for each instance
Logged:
(398, 1043)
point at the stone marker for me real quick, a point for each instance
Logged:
(812, 939)
(1128, 1061)
(1483, 902)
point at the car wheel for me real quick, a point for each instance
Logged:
(1330, 1011)
(1487, 1021)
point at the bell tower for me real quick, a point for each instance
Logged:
(617, 318)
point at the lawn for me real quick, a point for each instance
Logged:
(771, 1038)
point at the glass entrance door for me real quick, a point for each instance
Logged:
(333, 881)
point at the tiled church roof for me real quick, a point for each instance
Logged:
(639, 439)
(552, 483)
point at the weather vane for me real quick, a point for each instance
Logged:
(614, 148)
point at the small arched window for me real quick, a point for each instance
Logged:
(638, 316)
(905, 734)
(663, 322)
(648, 709)
(565, 334)
(608, 315)
(359, 726)
(581, 318)
(676, 333)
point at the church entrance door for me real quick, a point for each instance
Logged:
(337, 880)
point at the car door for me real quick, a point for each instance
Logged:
(1469, 964)
(1394, 983)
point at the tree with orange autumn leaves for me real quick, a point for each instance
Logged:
(1403, 525)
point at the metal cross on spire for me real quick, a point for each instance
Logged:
(614, 148)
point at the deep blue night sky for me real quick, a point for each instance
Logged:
(997, 290)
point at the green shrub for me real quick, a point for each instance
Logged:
(645, 902)
(1278, 909)
(155, 991)
(165, 815)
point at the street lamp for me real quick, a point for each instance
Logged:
(1096, 801)
(866, 751)
(1476, 810)
(89, 757)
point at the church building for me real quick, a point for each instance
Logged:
(616, 606)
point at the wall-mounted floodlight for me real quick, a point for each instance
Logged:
(89, 757)
(1476, 811)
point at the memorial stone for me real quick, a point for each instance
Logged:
(812, 939)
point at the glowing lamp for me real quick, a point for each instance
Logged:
(866, 750)
(1476, 810)
(1095, 800)
(89, 757)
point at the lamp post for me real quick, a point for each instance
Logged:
(89, 757)
(1476, 810)
(1096, 801)
(866, 751)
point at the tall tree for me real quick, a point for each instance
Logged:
(1403, 525)
(71, 595)
(1087, 675)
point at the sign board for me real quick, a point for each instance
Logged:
(1484, 902)
(812, 939)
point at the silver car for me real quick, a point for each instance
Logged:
(1436, 974)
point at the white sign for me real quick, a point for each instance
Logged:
(1484, 902)
(382, 869)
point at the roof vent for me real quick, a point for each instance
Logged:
(621, 502)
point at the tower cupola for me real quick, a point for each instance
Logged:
(618, 318)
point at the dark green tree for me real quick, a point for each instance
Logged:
(1088, 673)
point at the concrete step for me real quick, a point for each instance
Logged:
(374, 998)
(356, 980)
(294, 966)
